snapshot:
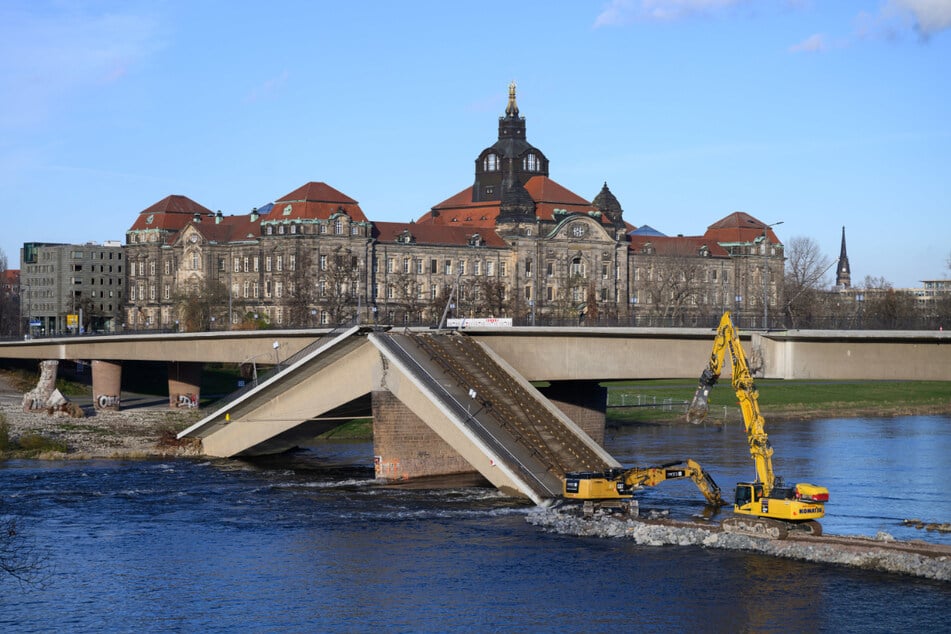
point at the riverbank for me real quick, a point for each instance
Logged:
(147, 430)
(665, 401)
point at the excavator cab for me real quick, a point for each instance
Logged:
(746, 493)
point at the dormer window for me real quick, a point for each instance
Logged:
(530, 163)
(491, 163)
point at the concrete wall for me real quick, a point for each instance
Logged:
(878, 355)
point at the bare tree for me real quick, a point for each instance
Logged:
(302, 292)
(487, 297)
(803, 285)
(337, 285)
(20, 557)
(9, 304)
(887, 308)
(674, 284)
(592, 310)
(202, 305)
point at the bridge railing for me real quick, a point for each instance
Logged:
(282, 365)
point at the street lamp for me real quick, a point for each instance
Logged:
(766, 273)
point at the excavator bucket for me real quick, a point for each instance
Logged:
(697, 412)
(699, 406)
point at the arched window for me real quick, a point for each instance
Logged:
(491, 163)
(577, 267)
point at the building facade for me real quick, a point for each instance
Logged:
(514, 244)
(83, 280)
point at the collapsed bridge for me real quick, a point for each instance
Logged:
(442, 404)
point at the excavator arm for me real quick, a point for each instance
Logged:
(617, 484)
(727, 339)
(652, 476)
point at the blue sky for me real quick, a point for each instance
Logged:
(817, 113)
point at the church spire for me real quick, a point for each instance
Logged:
(843, 275)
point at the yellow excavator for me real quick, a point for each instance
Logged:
(614, 489)
(766, 507)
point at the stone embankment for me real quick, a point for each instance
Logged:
(920, 559)
(138, 432)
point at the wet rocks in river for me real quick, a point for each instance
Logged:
(660, 534)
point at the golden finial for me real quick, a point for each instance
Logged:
(511, 109)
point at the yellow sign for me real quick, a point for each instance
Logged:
(72, 321)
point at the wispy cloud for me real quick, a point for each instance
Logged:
(621, 12)
(45, 56)
(816, 43)
(927, 16)
(268, 88)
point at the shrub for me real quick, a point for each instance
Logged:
(36, 442)
(4, 433)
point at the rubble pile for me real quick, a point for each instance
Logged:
(856, 552)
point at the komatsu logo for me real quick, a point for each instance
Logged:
(809, 511)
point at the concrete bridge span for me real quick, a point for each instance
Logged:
(602, 354)
(442, 404)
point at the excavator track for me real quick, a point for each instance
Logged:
(755, 527)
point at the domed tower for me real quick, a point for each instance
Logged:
(510, 157)
(608, 205)
(517, 205)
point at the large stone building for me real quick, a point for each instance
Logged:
(514, 244)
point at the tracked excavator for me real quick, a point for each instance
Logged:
(765, 507)
(614, 489)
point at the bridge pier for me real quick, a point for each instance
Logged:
(106, 384)
(184, 384)
(404, 447)
(584, 402)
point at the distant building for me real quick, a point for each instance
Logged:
(9, 282)
(58, 280)
(9, 303)
(514, 244)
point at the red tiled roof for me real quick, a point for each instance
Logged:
(171, 213)
(457, 235)
(677, 246)
(547, 194)
(739, 227)
(10, 277)
(230, 229)
(315, 201)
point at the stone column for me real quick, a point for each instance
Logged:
(584, 402)
(106, 384)
(184, 384)
(39, 396)
(404, 447)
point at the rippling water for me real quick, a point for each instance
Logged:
(309, 542)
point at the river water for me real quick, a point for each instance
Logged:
(308, 542)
